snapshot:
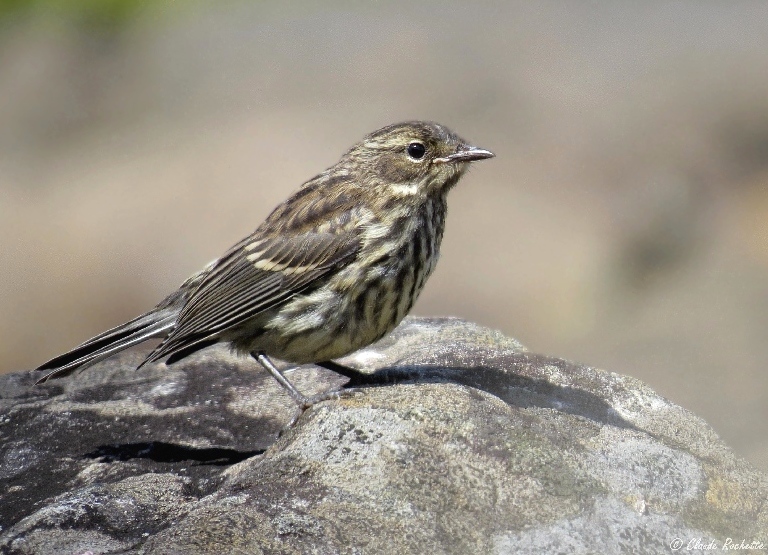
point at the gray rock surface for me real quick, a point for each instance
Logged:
(463, 443)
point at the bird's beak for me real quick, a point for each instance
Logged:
(465, 153)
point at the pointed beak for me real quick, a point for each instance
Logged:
(465, 153)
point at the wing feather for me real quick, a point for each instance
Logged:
(247, 282)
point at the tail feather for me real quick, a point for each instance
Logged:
(152, 324)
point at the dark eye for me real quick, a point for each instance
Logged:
(416, 150)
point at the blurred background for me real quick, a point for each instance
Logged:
(623, 224)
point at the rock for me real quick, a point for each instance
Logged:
(463, 442)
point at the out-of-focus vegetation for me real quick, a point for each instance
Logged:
(103, 15)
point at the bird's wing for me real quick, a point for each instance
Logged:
(256, 275)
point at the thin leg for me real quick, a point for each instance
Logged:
(346, 371)
(302, 400)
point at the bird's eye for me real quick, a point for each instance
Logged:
(416, 151)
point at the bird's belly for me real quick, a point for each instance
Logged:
(324, 325)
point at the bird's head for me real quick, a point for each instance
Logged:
(413, 158)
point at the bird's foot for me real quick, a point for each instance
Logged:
(306, 402)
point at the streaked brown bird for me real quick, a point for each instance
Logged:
(332, 269)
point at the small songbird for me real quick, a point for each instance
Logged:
(331, 270)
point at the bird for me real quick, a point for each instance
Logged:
(332, 269)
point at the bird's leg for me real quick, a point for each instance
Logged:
(302, 400)
(355, 376)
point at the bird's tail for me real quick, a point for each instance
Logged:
(155, 323)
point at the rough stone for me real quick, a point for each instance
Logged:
(460, 441)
